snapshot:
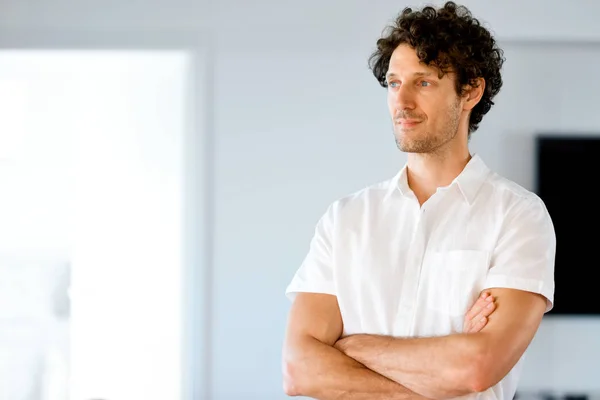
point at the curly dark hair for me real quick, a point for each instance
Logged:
(450, 39)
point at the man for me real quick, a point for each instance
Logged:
(379, 303)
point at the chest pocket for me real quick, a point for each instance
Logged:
(454, 279)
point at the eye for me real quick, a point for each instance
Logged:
(393, 84)
(425, 84)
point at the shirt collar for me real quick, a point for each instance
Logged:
(472, 177)
(469, 181)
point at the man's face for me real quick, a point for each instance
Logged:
(425, 109)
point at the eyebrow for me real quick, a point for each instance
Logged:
(420, 73)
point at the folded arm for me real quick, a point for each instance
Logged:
(455, 365)
(313, 368)
(459, 364)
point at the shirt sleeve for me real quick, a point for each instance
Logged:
(315, 274)
(524, 255)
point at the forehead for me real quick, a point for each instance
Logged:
(405, 59)
(404, 54)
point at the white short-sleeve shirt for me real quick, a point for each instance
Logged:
(405, 270)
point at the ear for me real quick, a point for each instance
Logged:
(473, 93)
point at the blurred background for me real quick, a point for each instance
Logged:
(163, 165)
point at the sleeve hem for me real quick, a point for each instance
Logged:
(529, 285)
(323, 288)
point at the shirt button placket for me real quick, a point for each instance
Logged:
(408, 294)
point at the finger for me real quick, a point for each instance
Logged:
(489, 307)
(478, 325)
(479, 321)
(472, 314)
(482, 308)
(476, 308)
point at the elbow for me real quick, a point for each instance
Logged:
(481, 383)
(485, 378)
(481, 375)
(296, 369)
(291, 384)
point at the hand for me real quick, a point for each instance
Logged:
(476, 318)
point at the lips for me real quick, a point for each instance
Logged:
(408, 122)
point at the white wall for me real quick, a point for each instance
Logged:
(547, 90)
(298, 122)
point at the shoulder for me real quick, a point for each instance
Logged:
(511, 192)
(356, 203)
(516, 202)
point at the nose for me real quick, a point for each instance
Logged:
(404, 98)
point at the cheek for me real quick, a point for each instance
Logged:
(391, 103)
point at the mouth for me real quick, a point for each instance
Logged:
(408, 123)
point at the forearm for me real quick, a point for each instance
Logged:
(436, 367)
(317, 370)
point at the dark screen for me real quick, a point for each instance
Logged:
(567, 179)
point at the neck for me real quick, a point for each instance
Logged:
(428, 171)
